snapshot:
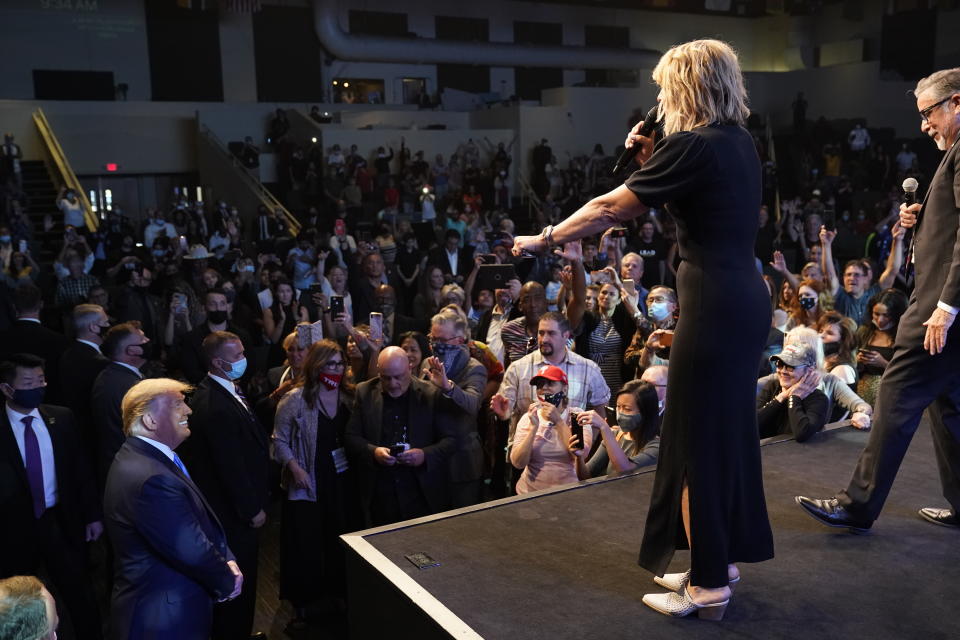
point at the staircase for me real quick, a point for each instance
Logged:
(41, 198)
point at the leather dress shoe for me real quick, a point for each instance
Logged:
(942, 517)
(830, 513)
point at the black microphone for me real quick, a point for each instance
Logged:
(645, 130)
(910, 191)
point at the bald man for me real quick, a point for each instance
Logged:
(400, 438)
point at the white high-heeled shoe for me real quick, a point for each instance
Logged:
(679, 605)
(678, 581)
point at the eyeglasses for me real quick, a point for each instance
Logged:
(787, 368)
(334, 364)
(925, 113)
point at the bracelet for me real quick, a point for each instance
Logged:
(547, 235)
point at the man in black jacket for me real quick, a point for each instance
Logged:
(125, 346)
(401, 439)
(922, 376)
(48, 497)
(190, 347)
(79, 365)
(27, 335)
(228, 459)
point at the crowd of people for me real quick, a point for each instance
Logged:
(390, 361)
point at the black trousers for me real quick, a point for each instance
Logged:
(65, 565)
(233, 620)
(914, 382)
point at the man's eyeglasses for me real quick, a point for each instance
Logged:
(925, 113)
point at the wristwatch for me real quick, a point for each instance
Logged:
(547, 235)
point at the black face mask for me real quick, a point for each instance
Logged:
(831, 348)
(554, 398)
(217, 317)
(808, 303)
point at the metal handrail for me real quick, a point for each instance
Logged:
(266, 198)
(59, 160)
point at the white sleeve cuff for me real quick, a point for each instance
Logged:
(951, 310)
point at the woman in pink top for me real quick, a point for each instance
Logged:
(544, 446)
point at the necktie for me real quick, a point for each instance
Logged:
(34, 467)
(177, 461)
(242, 397)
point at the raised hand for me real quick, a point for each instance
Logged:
(779, 263)
(827, 236)
(572, 251)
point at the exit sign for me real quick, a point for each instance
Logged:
(112, 167)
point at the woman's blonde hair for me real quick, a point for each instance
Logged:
(701, 84)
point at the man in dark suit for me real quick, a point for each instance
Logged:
(135, 302)
(79, 365)
(229, 458)
(171, 552)
(363, 285)
(27, 335)
(461, 381)
(47, 494)
(124, 346)
(455, 262)
(923, 372)
(396, 412)
(394, 324)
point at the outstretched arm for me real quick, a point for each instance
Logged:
(895, 259)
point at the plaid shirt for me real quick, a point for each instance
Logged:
(72, 291)
(585, 384)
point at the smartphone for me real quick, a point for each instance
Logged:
(630, 286)
(336, 306)
(316, 289)
(339, 227)
(183, 243)
(23, 246)
(376, 326)
(618, 232)
(398, 448)
(576, 428)
(666, 339)
(830, 219)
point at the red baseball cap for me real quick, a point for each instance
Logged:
(550, 372)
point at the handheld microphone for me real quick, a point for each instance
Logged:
(910, 191)
(645, 130)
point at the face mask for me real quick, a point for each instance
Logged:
(387, 309)
(453, 356)
(831, 348)
(160, 221)
(28, 398)
(553, 398)
(217, 317)
(808, 303)
(658, 311)
(331, 380)
(237, 369)
(628, 423)
(5, 239)
(249, 268)
(158, 252)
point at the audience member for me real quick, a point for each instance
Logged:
(27, 610)
(635, 441)
(792, 404)
(228, 455)
(875, 340)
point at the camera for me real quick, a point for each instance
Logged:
(398, 448)
(619, 232)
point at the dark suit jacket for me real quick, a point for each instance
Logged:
(227, 454)
(936, 251)
(170, 550)
(466, 464)
(430, 428)
(401, 325)
(78, 502)
(438, 257)
(79, 367)
(108, 390)
(30, 337)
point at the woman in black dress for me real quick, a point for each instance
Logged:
(708, 491)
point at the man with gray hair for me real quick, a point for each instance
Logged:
(461, 380)
(79, 366)
(923, 372)
(27, 610)
(171, 555)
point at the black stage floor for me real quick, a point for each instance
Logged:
(563, 565)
